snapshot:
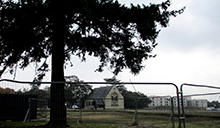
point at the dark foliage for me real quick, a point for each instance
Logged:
(118, 35)
(7, 91)
(76, 91)
(121, 37)
(214, 104)
(134, 99)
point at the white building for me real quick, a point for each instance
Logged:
(185, 101)
(166, 101)
(198, 103)
(159, 101)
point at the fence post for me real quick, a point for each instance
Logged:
(28, 111)
(172, 114)
(182, 105)
(79, 121)
(135, 118)
(172, 109)
(136, 113)
(181, 88)
(178, 103)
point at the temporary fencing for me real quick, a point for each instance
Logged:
(164, 99)
(196, 97)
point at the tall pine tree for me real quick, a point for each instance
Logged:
(33, 30)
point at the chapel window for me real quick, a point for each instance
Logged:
(114, 96)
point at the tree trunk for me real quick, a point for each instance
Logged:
(58, 110)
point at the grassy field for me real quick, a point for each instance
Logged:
(122, 119)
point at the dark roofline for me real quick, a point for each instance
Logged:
(100, 93)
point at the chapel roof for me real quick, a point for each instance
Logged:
(100, 93)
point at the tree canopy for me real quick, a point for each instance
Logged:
(121, 37)
(7, 91)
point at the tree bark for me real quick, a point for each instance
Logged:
(58, 110)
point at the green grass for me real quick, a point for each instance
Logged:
(122, 119)
(39, 124)
(20, 124)
(95, 125)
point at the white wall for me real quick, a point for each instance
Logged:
(108, 101)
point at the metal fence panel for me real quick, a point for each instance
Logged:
(14, 106)
(134, 109)
(194, 98)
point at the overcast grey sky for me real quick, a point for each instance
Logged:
(188, 50)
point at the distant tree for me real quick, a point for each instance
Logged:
(32, 30)
(215, 104)
(42, 94)
(7, 91)
(136, 98)
(133, 98)
(77, 92)
(23, 90)
(34, 86)
(112, 80)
